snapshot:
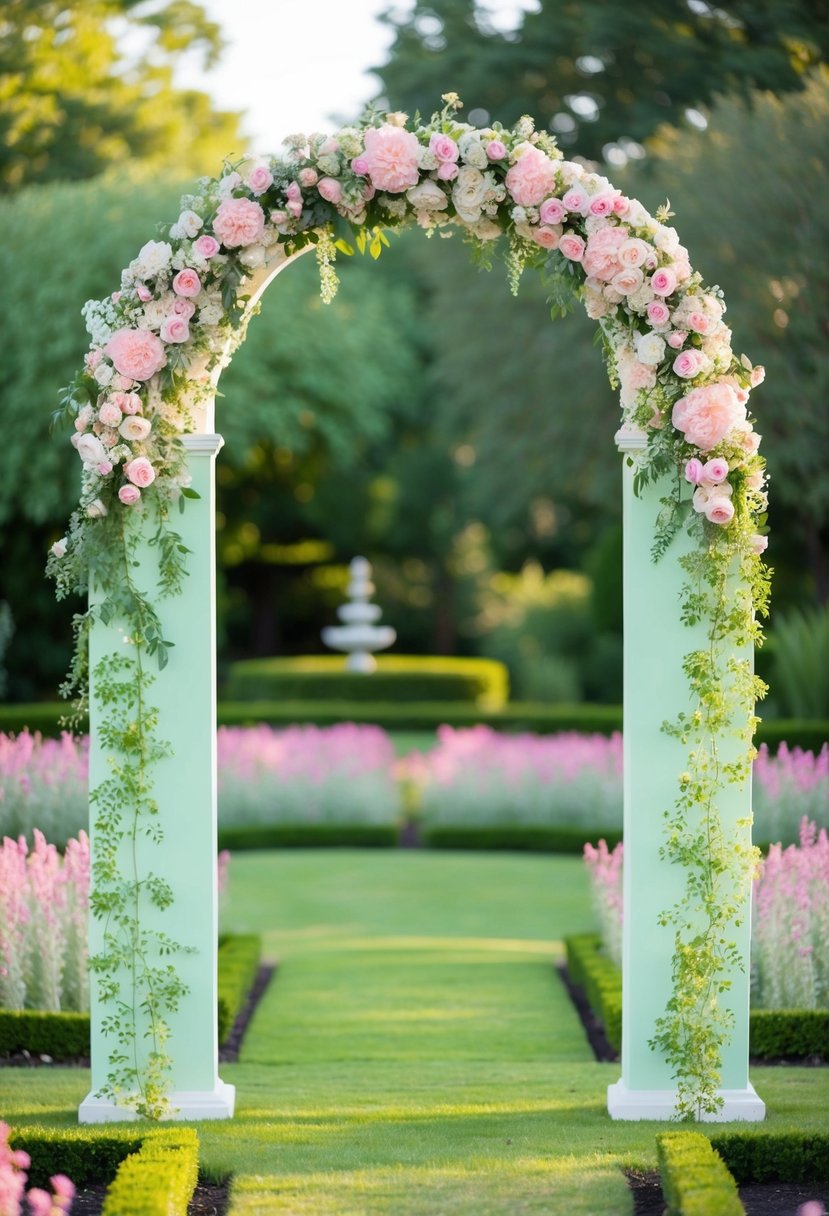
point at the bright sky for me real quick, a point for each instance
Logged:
(297, 65)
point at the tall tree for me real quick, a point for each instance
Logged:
(73, 102)
(597, 72)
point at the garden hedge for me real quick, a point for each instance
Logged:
(515, 839)
(480, 682)
(85, 1155)
(695, 1179)
(309, 835)
(158, 1180)
(601, 980)
(761, 1156)
(65, 1036)
(774, 1034)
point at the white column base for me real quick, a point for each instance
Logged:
(185, 1104)
(738, 1104)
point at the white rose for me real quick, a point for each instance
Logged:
(637, 216)
(428, 196)
(666, 239)
(135, 428)
(153, 258)
(473, 151)
(155, 311)
(59, 547)
(96, 509)
(427, 160)
(468, 193)
(211, 314)
(650, 349)
(252, 256)
(89, 448)
(228, 184)
(103, 374)
(187, 224)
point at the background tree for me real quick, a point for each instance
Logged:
(73, 103)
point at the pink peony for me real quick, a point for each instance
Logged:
(694, 471)
(330, 189)
(706, 415)
(140, 472)
(658, 312)
(206, 246)
(552, 211)
(175, 329)
(496, 150)
(259, 178)
(136, 353)
(532, 178)
(443, 147)
(689, 363)
(663, 281)
(601, 258)
(572, 246)
(391, 158)
(109, 414)
(716, 470)
(719, 510)
(187, 283)
(129, 495)
(239, 221)
(128, 403)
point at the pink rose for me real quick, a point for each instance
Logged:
(187, 283)
(447, 171)
(544, 236)
(308, 177)
(621, 205)
(359, 165)
(633, 252)
(175, 329)
(601, 260)
(689, 363)
(128, 403)
(699, 322)
(706, 415)
(105, 468)
(663, 281)
(496, 150)
(91, 359)
(136, 353)
(658, 313)
(636, 376)
(330, 189)
(391, 158)
(694, 471)
(677, 338)
(184, 308)
(601, 204)
(719, 510)
(294, 207)
(206, 246)
(759, 543)
(716, 470)
(293, 193)
(109, 414)
(628, 280)
(532, 178)
(443, 147)
(576, 199)
(572, 246)
(140, 472)
(135, 428)
(552, 211)
(144, 294)
(129, 495)
(259, 178)
(279, 217)
(239, 221)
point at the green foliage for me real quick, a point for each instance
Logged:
(239, 958)
(778, 1034)
(512, 839)
(695, 1179)
(73, 103)
(309, 836)
(799, 645)
(158, 1180)
(63, 1036)
(6, 631)
(87, 1156)
(398, 678)
(599, 74)
(601, 980)
(761, 1156)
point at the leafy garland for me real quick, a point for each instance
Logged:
(158, 345)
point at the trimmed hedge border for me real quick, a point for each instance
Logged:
(158, 1180)
(65, 1036)
(773, 1034)
(424, 715)
(761, 1156)
(310, 836)
(398, 677)
(695, 1179)
(514, 839)
(84, 1155)
(601, 980)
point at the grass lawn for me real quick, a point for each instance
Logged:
(416, 1052)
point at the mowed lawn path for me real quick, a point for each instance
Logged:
(416, 1052)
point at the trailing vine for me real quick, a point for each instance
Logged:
(158, 345)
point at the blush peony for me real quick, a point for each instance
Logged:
(239, 221)
(391, 158)
(707, 414)
(136, 353)
(532, 178)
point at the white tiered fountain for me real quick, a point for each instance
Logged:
(358, 635)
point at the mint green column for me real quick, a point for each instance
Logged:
(185, 788)
(655, 690)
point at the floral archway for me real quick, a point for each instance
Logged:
(159, 343)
